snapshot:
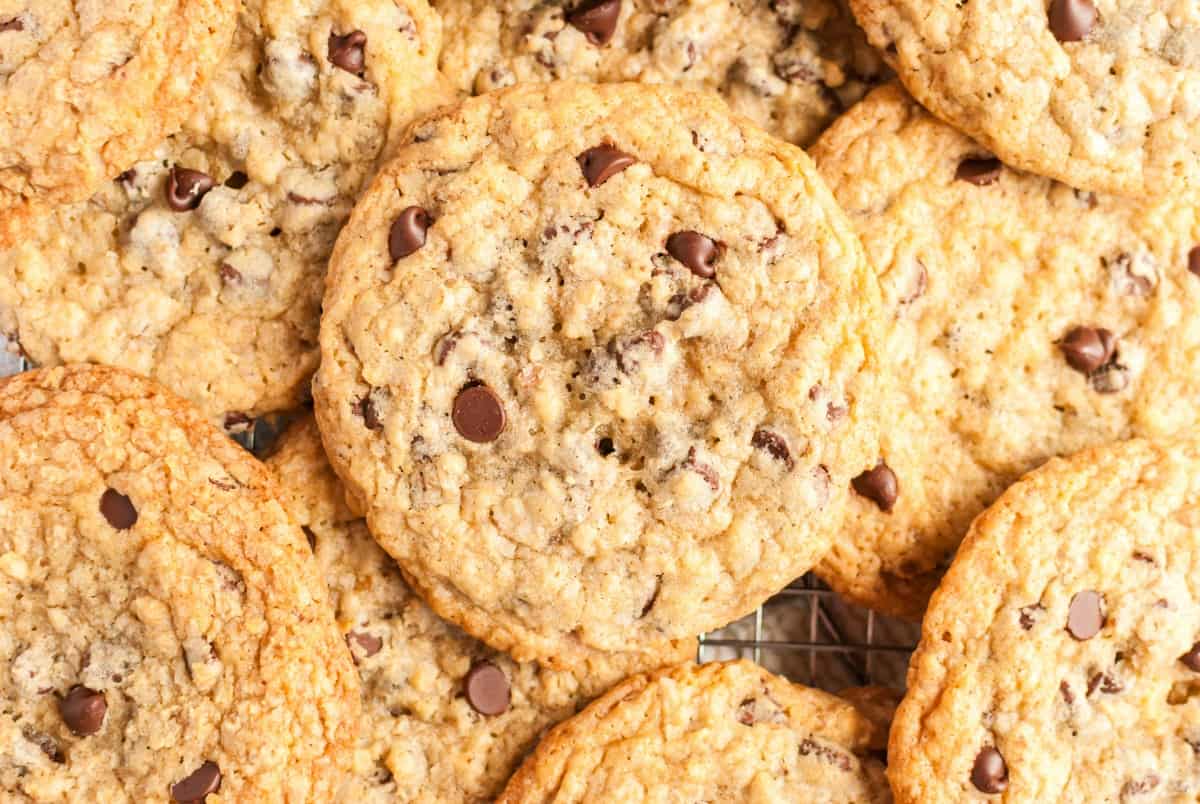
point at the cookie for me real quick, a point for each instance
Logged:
(164, 633)
(88, 88)
(445, 718)
(1031, 321)
(598, 361)
(789, 66)
(1099, 94)
(713, 732)
(202, 267)
(1059, 658)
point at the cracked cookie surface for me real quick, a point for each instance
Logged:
(1101, 94)
(598, 362)
(1031, 321)
(790, 66)
(203, 266)
(1060, 656)
(713, 732)
(163, 629)
(88, 87)
(445, 718)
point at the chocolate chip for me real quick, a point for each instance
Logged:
(127, 178)
(1071, 20)
(48, 745)
(1191, 659)
(1135, 787)
(597, 19)
(810, 747)
(349, 51)
(14, 24)
(1194, 260)
(1030, 615)
(1067, 695)
(367, 409)
(1105, 683)
(204, 781)
(653, 596)
(229, 274)
(368, 644)
(745, 712)
(486, 688)
(774, 445)
(237, 180)
(704, 470)
(118, 509)
(83, 710)
(980, 172)
(312, 537)
(698, 252)
(1087, 349)
(445, 346)
(601, 163)
(186, 187)
(879, 485)
(1085, 617)
(478, 414)
(605, 446)
(408, 232)
(989, 774)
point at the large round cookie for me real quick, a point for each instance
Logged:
(790, 66)
(163, 630)
(88, 87)
(1059, 659)
(445, 718)
(203, 266)
(1101, 94)
(598, 360)
(1000, 287)
(725, 732)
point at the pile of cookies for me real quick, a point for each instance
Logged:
(584, 357)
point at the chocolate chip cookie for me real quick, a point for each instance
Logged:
(712, 732)
(446, 719)
(1060, 658)
(791, 66)
(1025, 320)
(202, 267)
(598, 360)
(86, 88)
(164, 634)
(1100, 94)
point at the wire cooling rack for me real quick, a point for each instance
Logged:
(806, 632)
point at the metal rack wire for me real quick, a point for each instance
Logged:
(805, 632)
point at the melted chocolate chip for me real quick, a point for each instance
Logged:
(879, 485)
(774, 445)
(229, 275)
(118, 509)
(486, 688)
(237, 180)
(989, 773)
(185, 188)
(312, 537)
(1065, 689)
(601, 163)
(47, 744)
(408, 232)
(696, 251)
(1071, 20)
(1191, 659)
(809, 747)
(83, 710)
(745, 712)
(14, 24)
(349, 51)
(478, 414)
(445, 346)
(366, 408)
(980, 172)
(596, 19)
(368, 644)
(204, 781)
(1105, 683)
(1194, 261)
(704, 470)
(1085, 617)
(1030, 615)
(1087, 349)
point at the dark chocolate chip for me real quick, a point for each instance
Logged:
(1194, 260)
(1087, 349)
(349, 51)
(1085, 617)
(605, 446)
(83, 710)
(774, 445)
(601, 163)
(486, 688)
(879, 485)
(14, 24)
(368, 644)
(980, 172)
(408, 232)
(312, 537)
(204, 781)
(1191, 659)
(597, 19)
(478, 414)
(989, 774)
(46, 743)
(186, 187)
(698, 252)
(366, 408)
(1071, 20)
(118, 509)
(237, 180)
